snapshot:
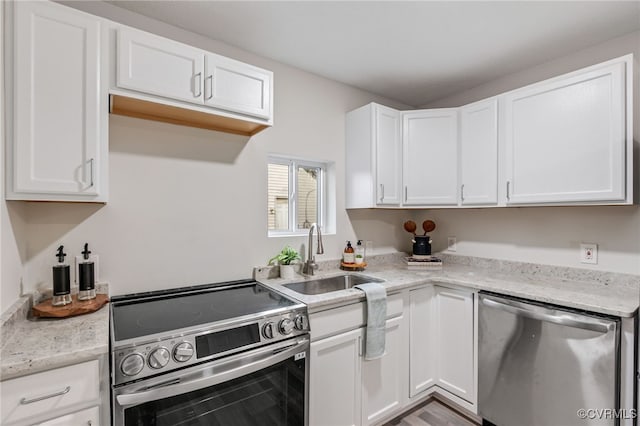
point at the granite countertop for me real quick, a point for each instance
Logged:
(32, 345)
(605, 293)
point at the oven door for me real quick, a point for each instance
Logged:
(264, 386)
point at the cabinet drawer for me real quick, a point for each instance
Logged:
(88, 417)
(39, 393)
(344, 318)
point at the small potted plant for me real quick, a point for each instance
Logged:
(285, 258)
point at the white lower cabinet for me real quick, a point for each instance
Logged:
(454, 343)
(422, 361)
(346, 389)
(335, 380)
(430, 348)
(88, 417)
(384, 379)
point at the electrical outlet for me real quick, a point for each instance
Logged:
(589, 253)
(451, 244)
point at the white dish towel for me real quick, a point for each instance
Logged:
(376, 319)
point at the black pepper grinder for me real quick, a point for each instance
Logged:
(87, 277)
(61, 282)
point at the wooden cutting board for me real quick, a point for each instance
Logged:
(76, 307)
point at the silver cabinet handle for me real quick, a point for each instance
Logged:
(210, 79)
(406, 193)
(91, 183)
(360, 350)
(462, 192)
(199, 85)
(25, 401)
(508, 197)
(381, 192)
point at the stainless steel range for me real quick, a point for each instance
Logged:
(232, 353)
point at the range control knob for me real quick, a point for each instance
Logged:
(301, 322)
(267, 330)
(132, 364)
(158, 358)
(286, 326)
(183, 352)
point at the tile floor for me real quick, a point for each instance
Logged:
(432, 413)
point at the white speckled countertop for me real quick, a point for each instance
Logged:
(29, 345)
(602, 292)
(32, 345)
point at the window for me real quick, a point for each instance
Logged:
(296, 195)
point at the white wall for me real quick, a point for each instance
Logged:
(168, 222)
(548, 235)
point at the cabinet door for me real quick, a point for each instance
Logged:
(430, 157)
(238, 87)
(479, 153)
(335, 387)
(422, 361)
(88, 417)
(57, 134)
(388, 151)
(159, 66)
(565, 139)
(384, 380)
(454, 342)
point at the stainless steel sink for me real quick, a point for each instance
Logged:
(329, 284)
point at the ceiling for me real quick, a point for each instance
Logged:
(412, 52)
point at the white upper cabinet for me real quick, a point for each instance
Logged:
(479, 153)
(159, 66)
(563, 141)
(153, 65)
(567, 140)
(58, 147)
(237, 87)
(389, 155)
(430, 157)
(373, 157)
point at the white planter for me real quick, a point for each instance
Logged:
(287, 272)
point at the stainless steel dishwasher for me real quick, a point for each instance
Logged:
(539, 364)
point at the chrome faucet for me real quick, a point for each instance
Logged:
(310, 265)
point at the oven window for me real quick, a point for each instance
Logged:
(273, 396)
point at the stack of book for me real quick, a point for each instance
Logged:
(424, 262)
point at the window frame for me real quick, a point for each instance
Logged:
(293, 164)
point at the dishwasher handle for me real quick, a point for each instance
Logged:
(554, 316)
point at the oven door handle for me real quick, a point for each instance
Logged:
(229, 369)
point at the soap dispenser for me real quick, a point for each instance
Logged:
(61, 281)
(359, 252)
(349, 256)
(86, 276)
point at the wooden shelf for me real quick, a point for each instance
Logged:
(138, 108)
